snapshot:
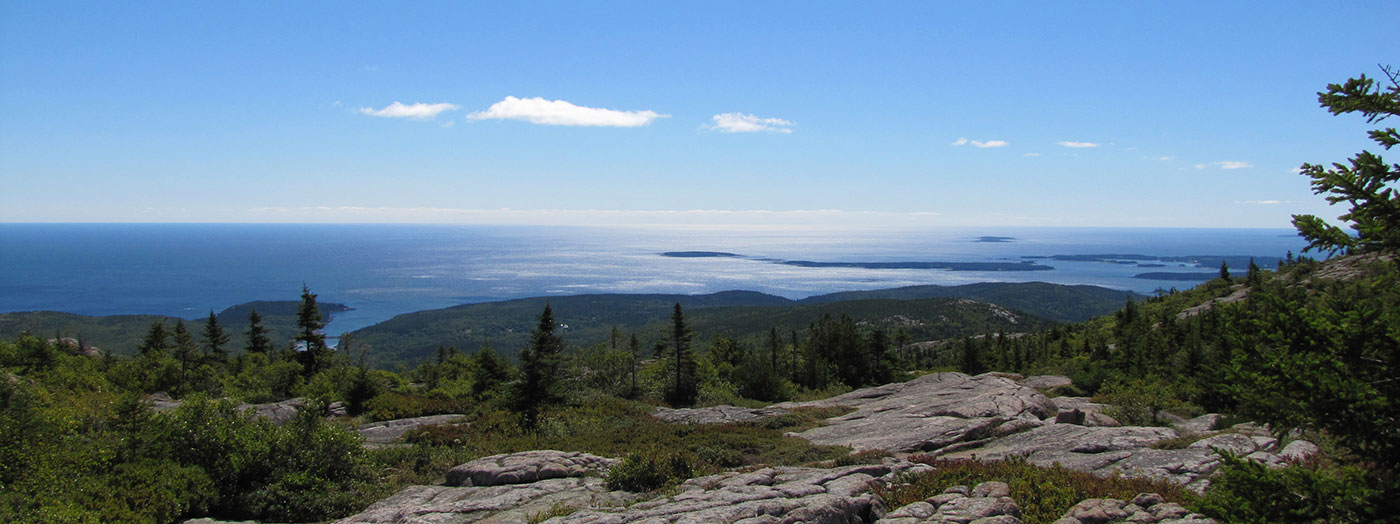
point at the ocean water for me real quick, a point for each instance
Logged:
(186, 270)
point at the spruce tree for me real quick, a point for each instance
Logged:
(1368, 185)
(634, 347)
(539, 365)
(684, 388)
(184, 350)
(215, 338)
(258, 341)
(310, 323)
(155, 343)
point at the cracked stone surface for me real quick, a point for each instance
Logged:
(528, 466)
(927, 413)
(715, 414)
(506, 504)
(768, 495)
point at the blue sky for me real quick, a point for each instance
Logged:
(921, 114)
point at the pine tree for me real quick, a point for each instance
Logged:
(155, 343)
(1224, 271)
(684, 388)
(215, 338)
(258, 341)
(539, 364)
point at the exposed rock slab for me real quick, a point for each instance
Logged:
(528, 466)
(769, 495)
(277, 412)
(715, 414)
(1047, 382)
(386, 431)
(507, 504)
(927, 413)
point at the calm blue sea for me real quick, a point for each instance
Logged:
(385, 270)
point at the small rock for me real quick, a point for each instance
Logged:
(920, 510)
(992, 489)
(968, 509)
(1098, 511)
(943, 498)
(1169, 510)
(999, 519)
(959, 489)
(1299, 450)
(1148, 500)
(1199, 425)
(1047, 382)
(1235, 443)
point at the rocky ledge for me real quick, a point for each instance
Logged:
(994, 416)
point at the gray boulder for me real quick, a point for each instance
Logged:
(527, 467)
(386, 431)
(1299, 450)
(927, 413)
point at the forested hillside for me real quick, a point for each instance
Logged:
(587, 319)
(122, 334)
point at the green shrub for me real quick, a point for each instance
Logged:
(1249, 492)
(650, 471)
(1044, 494)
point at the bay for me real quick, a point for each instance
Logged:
(186, 270)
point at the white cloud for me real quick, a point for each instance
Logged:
(417, 111)
(1164, 159)
(1080, 145)
(978, 143)
(1226, 164)
(1265, 202)
(743, 123)
(449, 123)
(561, 113)
(1031, 154)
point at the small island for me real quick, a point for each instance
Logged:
(993, 239)
(1182, 277)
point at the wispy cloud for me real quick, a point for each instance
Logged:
(1078, 145)
(744, 123)
(1031, 154)
(978, 143)
(1264, 202)
(400, 110)
(562, 113)
(717, 217)
(1226, 164)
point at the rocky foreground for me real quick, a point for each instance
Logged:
(949, 415)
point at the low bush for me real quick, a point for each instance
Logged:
(1044, 494)
(1249, 492)
(650, 470)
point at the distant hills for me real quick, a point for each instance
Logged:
(926, 312)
